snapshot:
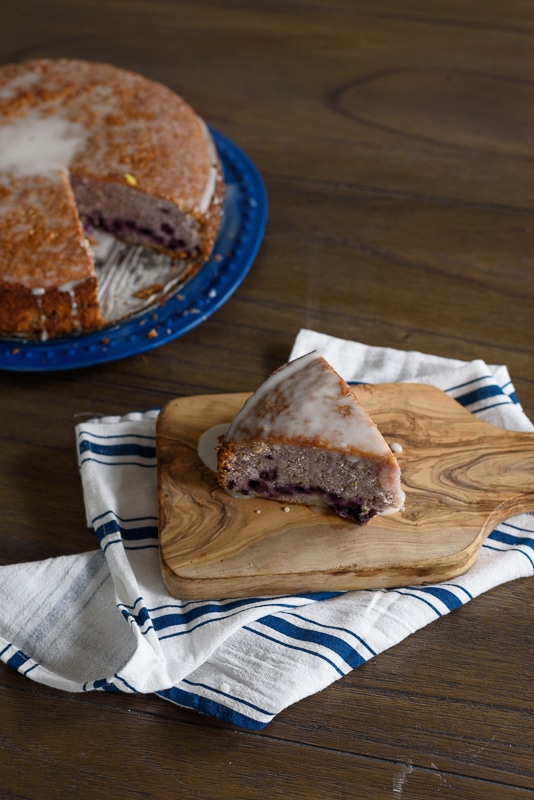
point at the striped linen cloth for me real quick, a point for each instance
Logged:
(103, 621)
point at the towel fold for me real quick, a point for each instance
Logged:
(103, 620)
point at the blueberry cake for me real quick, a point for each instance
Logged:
(82, 146)
(304, 437)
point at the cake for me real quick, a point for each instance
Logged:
(87, 146)
(304, 437)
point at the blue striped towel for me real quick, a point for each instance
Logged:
(102, 620)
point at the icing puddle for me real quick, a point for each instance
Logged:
(208, 443)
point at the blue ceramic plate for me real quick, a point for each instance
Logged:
(242, 229)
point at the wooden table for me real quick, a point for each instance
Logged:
(395, 142)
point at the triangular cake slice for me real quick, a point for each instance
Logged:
(304, 437)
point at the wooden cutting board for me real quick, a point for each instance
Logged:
(461, 476)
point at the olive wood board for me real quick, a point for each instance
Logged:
(462, 476)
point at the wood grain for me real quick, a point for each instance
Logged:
(461, 476)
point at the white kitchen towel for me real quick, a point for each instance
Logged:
(103, 620)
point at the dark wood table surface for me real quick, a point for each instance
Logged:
(395, 140)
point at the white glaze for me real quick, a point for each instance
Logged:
(38, 294)
(22, 83)
(208, 443)
(69, 288)
(209, 190)
(303, 402)
(35, 144)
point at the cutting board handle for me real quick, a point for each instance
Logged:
(497, 462)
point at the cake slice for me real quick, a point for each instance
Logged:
(304, 437)
(57, 293)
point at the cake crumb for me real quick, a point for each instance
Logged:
(148, 291)
(286, 509)
(395, 447)
(130, 179)
(152, 334)
(257, 510)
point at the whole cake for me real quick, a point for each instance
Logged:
(86, 145)
(304, 437)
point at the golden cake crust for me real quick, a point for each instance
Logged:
(133, 127)
(114, 127)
